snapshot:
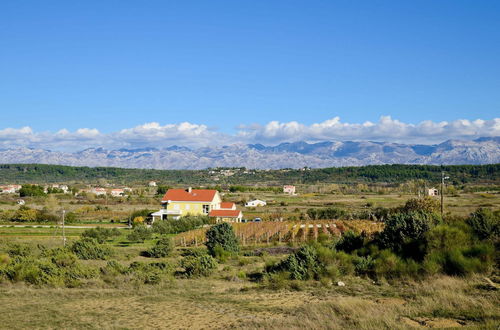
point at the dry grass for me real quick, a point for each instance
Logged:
(211, 303)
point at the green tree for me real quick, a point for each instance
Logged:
(485, 224)
(426, 204)
(163, 247)
(25, 214)
(31, 190)
(222, 236)
(405, 233)
(161, 190)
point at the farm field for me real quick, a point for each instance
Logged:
(284, 232)
(126, 287)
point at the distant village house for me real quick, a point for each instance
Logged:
(433, 192)
(117, 192)
(255, 203)
(10, 189)
(288, 189)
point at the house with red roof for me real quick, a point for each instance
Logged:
(182, 202)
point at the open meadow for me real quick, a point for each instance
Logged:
(331, 256)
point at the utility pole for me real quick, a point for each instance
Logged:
(442, 192)
(63, 234)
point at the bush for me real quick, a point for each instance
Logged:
(426, 204)
(222, 235)
(55, 267)
(101, 234)
(89, 248)
(139, 234)
(350, 241)
(302, 265)
(149, 273)
(405, 233)
(446, 238)
(388, 265)
(195, 266)
(485, 224)
(178, 226)
(461, 262)
(327, 213)
(31, 190)
(163, 247)
(19, 250)
(144, 214)
(25, 214)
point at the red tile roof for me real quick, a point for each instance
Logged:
(196, 195)
(225, 213)
(226, 205)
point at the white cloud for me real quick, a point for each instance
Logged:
(198, 135)
(386, 129)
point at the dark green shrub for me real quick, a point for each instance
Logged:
(350, 241)
(31, 190)
(181, 225)
(89, 248)
(149, 273)
(327, 213)
(485, 224)
(19, 250)
(113, 268)
(221, 235)
(139, 234)
(195, 266)
(426, 204)
(364, 265)
(101, 234)
(405, 233)
(302, 265)
(61, 257)
(446, 238)
(163, 247)
(162, 227)
(56, 267)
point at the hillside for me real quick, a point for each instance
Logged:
(39, 173)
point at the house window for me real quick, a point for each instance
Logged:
(187, 207)
(206, 208)
(176, 206)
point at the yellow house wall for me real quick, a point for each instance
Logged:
(193, 208)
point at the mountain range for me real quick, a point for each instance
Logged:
(285, 155)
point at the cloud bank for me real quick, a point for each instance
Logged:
(275, 132)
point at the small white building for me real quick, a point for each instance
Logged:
(10, 189)
(152, 184)
(255, 203)
(433, 192)
(117, 192)
(62, 187)
(288, 189)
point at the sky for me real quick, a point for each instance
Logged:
(76, 74)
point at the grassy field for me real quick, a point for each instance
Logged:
(215, 303)
(230, 298)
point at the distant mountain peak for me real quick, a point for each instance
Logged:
(285, 155)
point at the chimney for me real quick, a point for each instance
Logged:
(189, 190)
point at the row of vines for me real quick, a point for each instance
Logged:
(283, 232)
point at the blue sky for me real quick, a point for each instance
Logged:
(113, 65)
